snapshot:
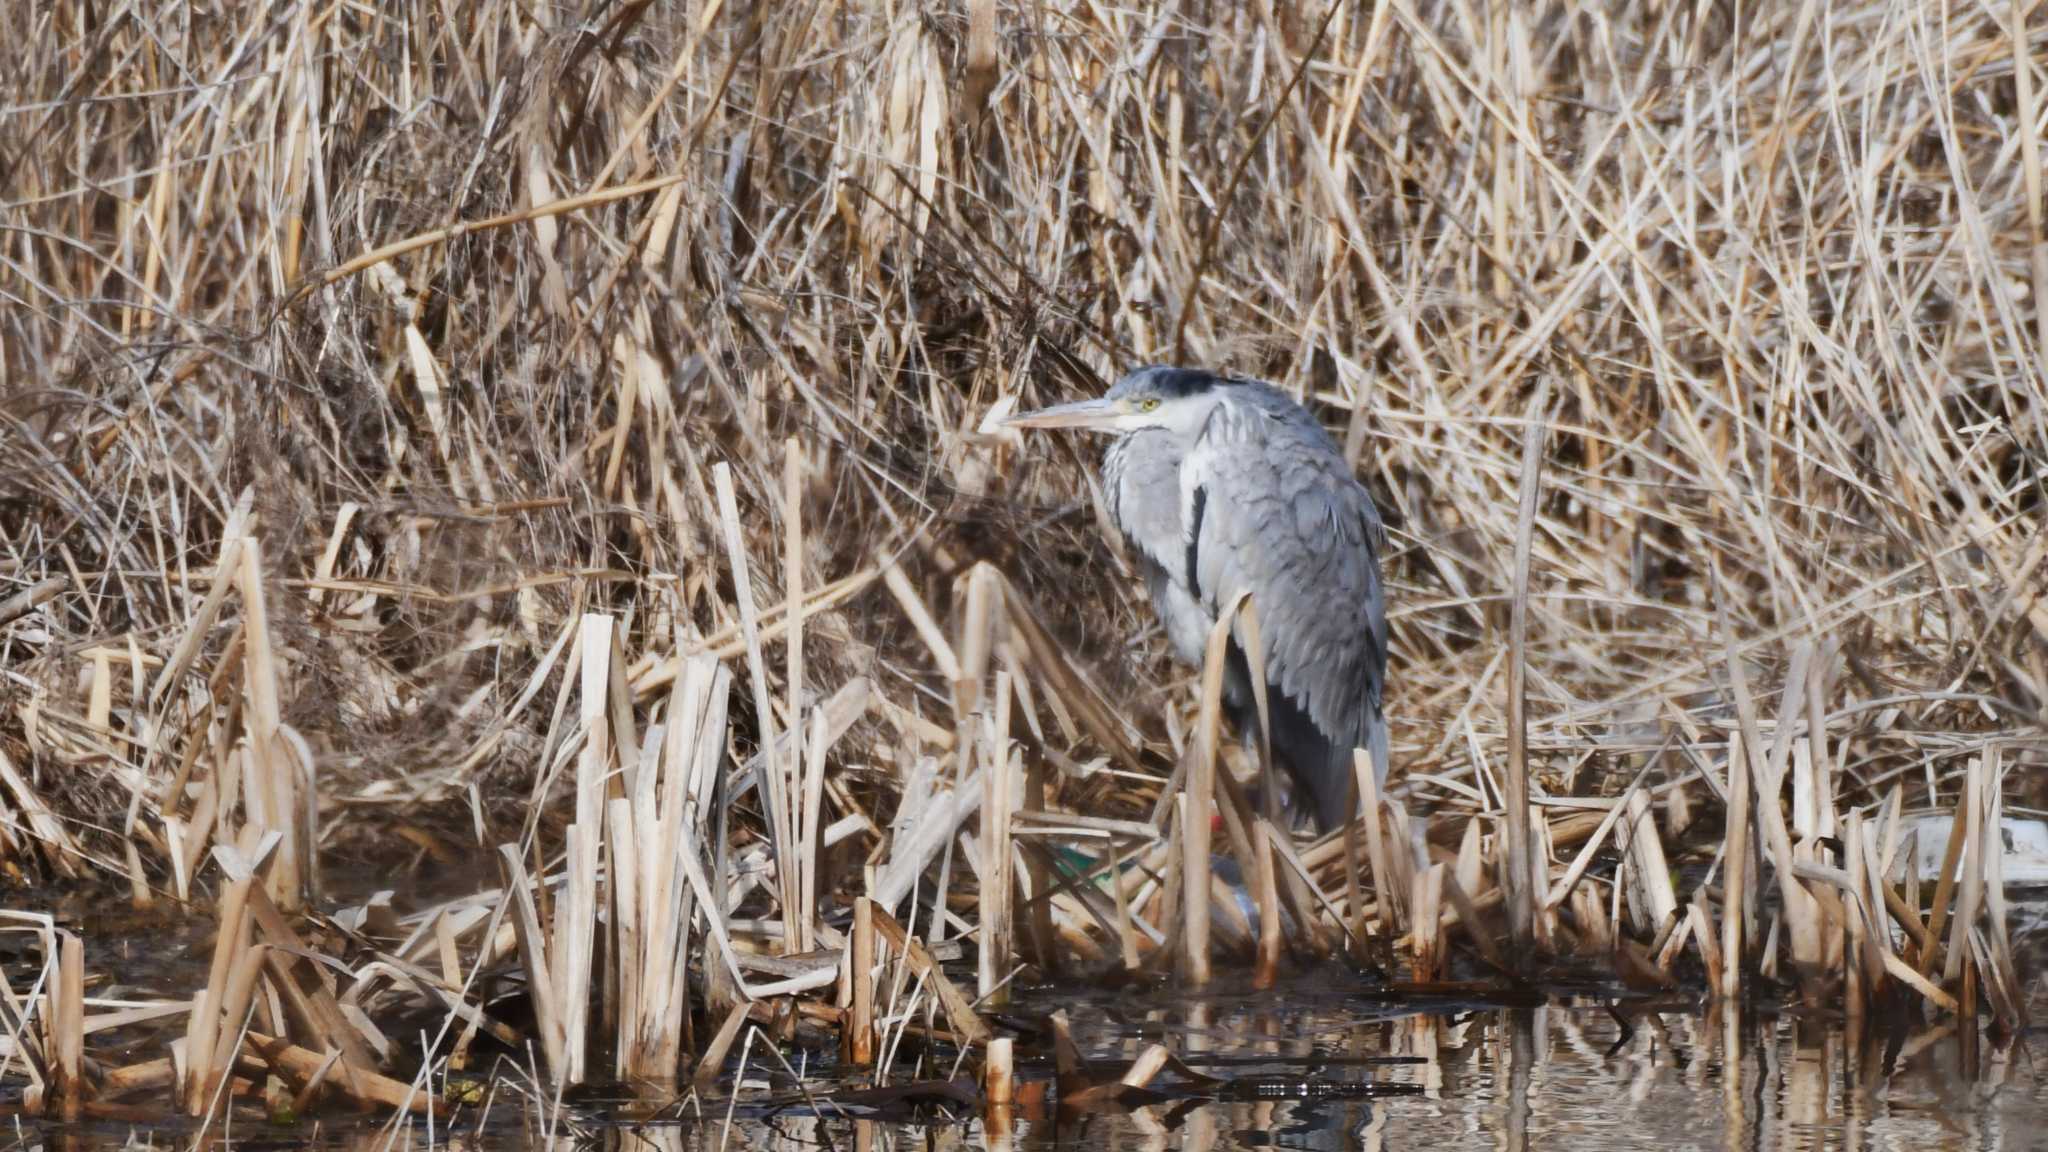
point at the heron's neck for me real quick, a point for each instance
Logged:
(1146, 448)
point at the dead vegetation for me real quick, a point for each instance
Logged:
(558, 439)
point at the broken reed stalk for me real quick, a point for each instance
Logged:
(1428, 931)
(1566, 884)
(1969, 897)
(1389, 905)
(199, 1074)
(571, 951)
(272, 1054)
(1874, 950)
(644, 822)
(1796, 906)
(1649, 875)
(64, 1027)
(533, 951)
(310, 1005)
(969, 1029)
(859, 1033)
(772, 770)
(804, 828)
(1519, 882)
(971, 745)
(650, 894)
(999, 785)
(1995, 908)
(273, 793)
(1944, 889)
(1197, 799)
(1267, 969)
(811, 803)
(999, 1072)
(1039, 873)
(1734, 869)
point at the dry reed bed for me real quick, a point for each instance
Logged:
(573, 427)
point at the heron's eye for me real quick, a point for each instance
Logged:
(1148, 404)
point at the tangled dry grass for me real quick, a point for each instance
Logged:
(352, 356)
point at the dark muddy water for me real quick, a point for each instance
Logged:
(1566, 1075)
(1579, 1072)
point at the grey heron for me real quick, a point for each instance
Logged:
(1225, 485)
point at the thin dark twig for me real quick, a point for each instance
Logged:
(1194, 285)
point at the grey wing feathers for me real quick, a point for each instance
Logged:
(1283, 518)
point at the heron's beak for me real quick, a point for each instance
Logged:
(1097, 414)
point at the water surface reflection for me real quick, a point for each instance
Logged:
(1569, 1075)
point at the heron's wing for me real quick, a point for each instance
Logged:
(1269, 506)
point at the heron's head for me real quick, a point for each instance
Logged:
(1172, 399)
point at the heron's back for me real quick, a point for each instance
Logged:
(1262, 501)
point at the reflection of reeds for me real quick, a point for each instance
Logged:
(402, 374)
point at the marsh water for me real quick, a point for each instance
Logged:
(1568, 1074)
(1327, 1060)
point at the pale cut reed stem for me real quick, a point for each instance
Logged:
(860, 1027)
(1970, 897)
(1519, 882)
(1267, 969)
(1734, 870)
(999, 1072)
(998, 773)
(1389, 907)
